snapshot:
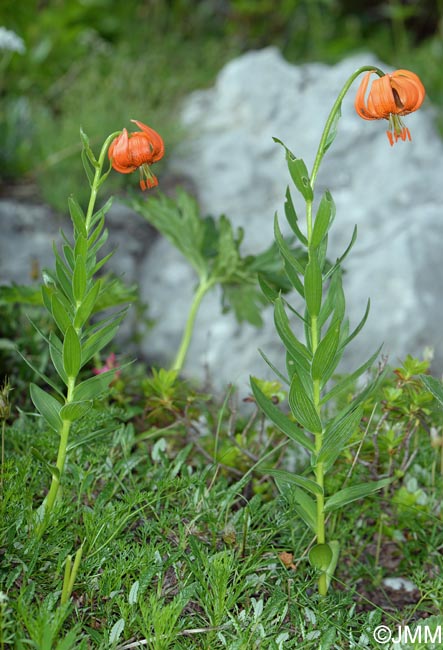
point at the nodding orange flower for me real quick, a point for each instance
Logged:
(139, 150)
(389, 98)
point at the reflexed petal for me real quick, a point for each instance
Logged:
(410, 90)
(118, 153)
(158, 147)
(381, 101)
(360, 99)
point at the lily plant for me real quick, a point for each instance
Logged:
(72, 293)
(312, 359)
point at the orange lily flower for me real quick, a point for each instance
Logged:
(390, 97)
(139, 150)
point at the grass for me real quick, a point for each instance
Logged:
(181, 551)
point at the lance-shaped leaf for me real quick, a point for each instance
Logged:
(279, 374)
(345, 254)
(72, 353)
(359, 327)
(301, 502)
(91, 436)
(313, 286)
(285, 249)
(305, 508)
(69, 254)
(325, 357)
(62, 275)
(294, 311)
(302, 407)
(349, 380)
(79, 278)
(77, 216)
(87, 147)
(113, 292)
(294, 479)
(59, 313)
(100, 214)
(88, 167)
(294, 278)
(334, 300)
(95, 231)
(323, 220)
(93, 250)
(304, 374)
(48, 289)
(281, 421)
(300, 176)
(56, 354)
(268, 290)
(337, 435)
(322, 250)
(296, 349)
(47, 406)
(100, 338)
(40, 374)
(94, 386)
(353, 493)
(332, 130)
(74, 410)
(101, 263)
(87, 305)
(81, 246)
(299, 173)
(292, 219)
(52, 469)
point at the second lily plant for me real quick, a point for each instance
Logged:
(311, 360)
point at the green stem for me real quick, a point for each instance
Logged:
(60, 464)
(309, 221)
(333, 114)
(202, 289)
(319, 469)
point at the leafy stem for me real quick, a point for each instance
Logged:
(315, 334)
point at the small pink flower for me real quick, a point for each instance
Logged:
(110, 364)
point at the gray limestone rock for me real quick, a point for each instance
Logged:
(394, 196)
